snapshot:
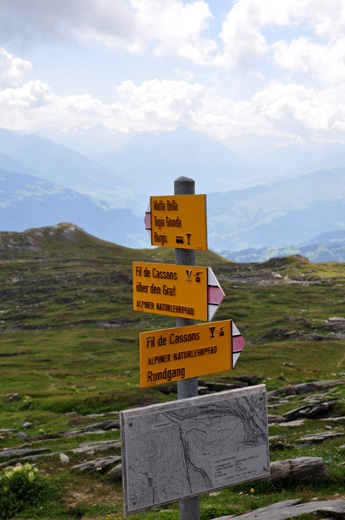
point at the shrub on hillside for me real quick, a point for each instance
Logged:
(20, 487)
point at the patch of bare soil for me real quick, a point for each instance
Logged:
(90, 493)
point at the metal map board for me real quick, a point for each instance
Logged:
(193, 446)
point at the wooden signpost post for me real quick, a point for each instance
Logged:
(181, 354)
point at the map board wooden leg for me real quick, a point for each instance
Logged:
(189, 507)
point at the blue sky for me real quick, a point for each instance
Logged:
(234, 70)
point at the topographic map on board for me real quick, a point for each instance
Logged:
(189, 447)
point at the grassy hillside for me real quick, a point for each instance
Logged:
(69, 348)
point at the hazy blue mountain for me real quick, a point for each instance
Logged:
(328, 247)
(29, 202)
(58, 164)
(286, 212)
(290, 210)
(295, 159)
(330, 238)
(11, 165)
(153, 161)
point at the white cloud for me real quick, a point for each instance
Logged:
(326, 63)
(176, 27)
(30, 95)
(244, 29)
(48, 20)
(12, 69)
(289, 111)
(170, 26)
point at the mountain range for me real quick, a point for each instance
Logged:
(43, 183)
(328, 247)
(27, 201)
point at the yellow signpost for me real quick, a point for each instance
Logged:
(178, 221)
(173, 290)
(184, 352)
(176, 290)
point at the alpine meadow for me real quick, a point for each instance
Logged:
(70, 363)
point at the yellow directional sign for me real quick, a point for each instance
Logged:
(176, 290)
(183, 352)
(178, 221)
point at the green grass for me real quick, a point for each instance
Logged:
(69, 347)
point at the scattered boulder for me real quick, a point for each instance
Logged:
(274, 419)
(250, 380)
(98, 464)
(334, 419)
(305, 388)
(71, 433)
(21, 435)
(97, 447)
(105, 425)
(335, 323)
(219, 387)
(7, 431)
(277, 444)
(311, 411)
(12, 397)
(291, 509)
(64, 458)
(301, 468)
(21, 452)
(116, 472)
(293, 424)
(168, 389)
(319, 437)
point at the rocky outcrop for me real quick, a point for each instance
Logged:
(292, 509)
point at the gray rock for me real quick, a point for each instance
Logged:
(115, 472)
(279, 445)
(79, 432)
(305, 388)
(64, 458)
(293, 424)
(219, 387)
(21, 435)
(275, 419)
(311, 411)
(96, 443)
(21, 452)
(334, 419)
(312, 468)
(26, 425)
(319, 437)
(12, 397)
(29, 457)
(98, 464)
(291, 509)
(105, 425)
(97, 447)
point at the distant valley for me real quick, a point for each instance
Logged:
(250, 217)
(27, 202)
(329, 247)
